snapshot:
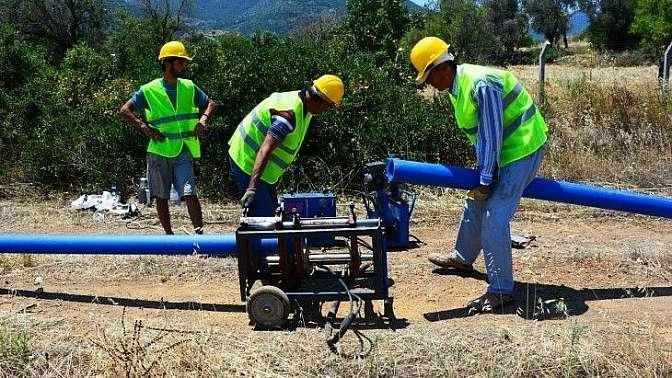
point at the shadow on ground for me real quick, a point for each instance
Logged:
(375, 322)
(126, 302)
(537, 301)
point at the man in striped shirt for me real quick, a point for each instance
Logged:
(499, 117)
(268, 139)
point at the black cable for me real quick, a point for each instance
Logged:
(333, 338)
(364, 244)
(417, 239)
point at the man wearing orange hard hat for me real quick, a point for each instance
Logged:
(175, 112)
(268, 139)
(500, 119)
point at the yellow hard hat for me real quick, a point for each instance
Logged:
(330, 88)
(173, 49)
(428, 53)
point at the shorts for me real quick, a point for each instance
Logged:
(162, 172)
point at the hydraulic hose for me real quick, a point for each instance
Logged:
(334, 337)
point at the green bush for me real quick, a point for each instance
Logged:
(22, 70)
(79, 140)
(381, 114)
(13, 344)
(70, 136)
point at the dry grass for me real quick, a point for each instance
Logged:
(607, 125)
(560, 73)
(550, 349)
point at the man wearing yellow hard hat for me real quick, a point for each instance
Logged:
(500, 119)
(268, 139)
(175, 113)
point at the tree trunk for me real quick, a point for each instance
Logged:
(564, 38)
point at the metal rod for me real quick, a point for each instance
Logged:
(542, 70)
(322, 258)
(271, 223)
(666, 69)
(330, 223)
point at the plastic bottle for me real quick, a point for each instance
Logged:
(116, 196)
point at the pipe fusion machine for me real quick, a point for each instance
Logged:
(321, 257)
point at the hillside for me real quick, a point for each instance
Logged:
(279, 16)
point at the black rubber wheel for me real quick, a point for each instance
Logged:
(268, 307)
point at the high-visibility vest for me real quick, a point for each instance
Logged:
(177, 123)
(524, 128)
(251, 132)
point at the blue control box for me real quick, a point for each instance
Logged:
(311, 205)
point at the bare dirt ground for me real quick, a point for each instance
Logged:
(103, 315)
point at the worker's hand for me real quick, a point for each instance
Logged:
(247, 199)
(200, 130)
(479, 193)
(151, 132)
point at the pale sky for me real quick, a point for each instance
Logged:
(421, 2)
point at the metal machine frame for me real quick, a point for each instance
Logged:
(295, 269)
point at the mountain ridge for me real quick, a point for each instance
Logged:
(278, 16)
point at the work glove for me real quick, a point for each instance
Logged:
(247, 199)
(479, 193)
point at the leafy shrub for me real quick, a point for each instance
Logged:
(13, 344)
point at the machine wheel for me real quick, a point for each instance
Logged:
(268, 307)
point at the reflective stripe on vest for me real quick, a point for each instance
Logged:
(172, 118)
(524, 129)
(184, 134)
(255, 146)
(259, 124)
(177, 123)
(513, 125)
(252, 130)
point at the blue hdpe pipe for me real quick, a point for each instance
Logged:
(413, 172)
(210, 244)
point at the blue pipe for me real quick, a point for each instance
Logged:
(88, 244)
(418, 173)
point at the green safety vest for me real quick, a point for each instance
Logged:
(177, 123)
(524, 127)
(251, 132)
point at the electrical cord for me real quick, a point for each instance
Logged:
(417, 239)
(332, 337)
(364, 244)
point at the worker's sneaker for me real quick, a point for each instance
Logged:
(489, 302)
(445, 260)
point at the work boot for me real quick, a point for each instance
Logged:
(489, 302)
(445, 260)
